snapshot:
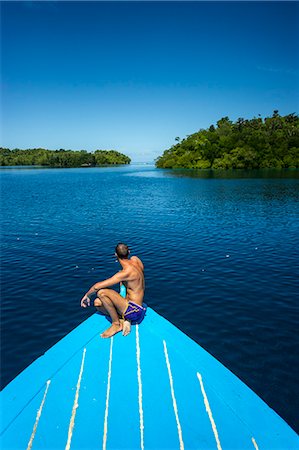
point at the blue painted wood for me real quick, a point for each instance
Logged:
(54, 423)
(91, 410)
(160, 424)
(231, 430)
(20, 430)
(123, 409)
(15, 397)
(239, 414)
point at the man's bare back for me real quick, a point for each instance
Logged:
(109, 302)
(134, 280)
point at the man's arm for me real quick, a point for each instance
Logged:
(117, 278)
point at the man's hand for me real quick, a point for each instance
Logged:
(85, 301)
(117, 278)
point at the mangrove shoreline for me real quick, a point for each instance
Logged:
(61, 158)
(272, 142)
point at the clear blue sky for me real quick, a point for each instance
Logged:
(132, 76)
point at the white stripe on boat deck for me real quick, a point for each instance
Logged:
(75, 404)
(154, 386)
(107, 397)
(173, 398)
(208, 409)
(39, 412)
(139, 389)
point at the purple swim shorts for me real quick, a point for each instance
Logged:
(134, 313)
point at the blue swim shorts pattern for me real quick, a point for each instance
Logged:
(134, 313)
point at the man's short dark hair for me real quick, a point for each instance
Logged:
(122, 250)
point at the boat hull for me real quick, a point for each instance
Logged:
(153, 389)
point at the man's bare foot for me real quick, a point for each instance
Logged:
(126, 328)
(111, 331)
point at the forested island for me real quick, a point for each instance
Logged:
(272, 142)
(60, 158)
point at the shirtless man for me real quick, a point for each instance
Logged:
(110, 303)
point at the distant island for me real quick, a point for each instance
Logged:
(272, 142)
(60, 158)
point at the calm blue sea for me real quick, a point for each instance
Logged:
(220, 254)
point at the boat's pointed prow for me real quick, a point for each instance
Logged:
(153, 389)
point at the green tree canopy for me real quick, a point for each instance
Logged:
(61, 157)
(243, 144)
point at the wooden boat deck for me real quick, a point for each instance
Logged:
(154, 389)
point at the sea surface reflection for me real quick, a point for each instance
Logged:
(219, 248)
